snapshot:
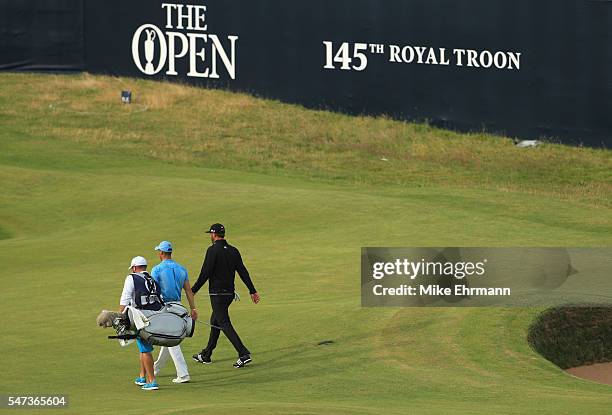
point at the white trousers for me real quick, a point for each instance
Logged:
(177, 357)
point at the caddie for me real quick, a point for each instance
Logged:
(142, 292)
(172, 278)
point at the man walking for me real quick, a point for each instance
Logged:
(172, 277)
(221, 263)
(142, 292)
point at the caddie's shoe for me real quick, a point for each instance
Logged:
(140, 381)
(153, 386)
(203, 357)
(181, 379)
(242, 361)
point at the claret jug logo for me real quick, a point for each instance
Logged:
(185, 38)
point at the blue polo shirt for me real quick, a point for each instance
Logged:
(171, 277)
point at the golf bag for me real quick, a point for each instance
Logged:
(165, 327)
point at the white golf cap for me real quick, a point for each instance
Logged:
(138, 261)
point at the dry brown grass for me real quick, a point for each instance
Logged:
(215, 128)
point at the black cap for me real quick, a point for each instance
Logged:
(217, 228)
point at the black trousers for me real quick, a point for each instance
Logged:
(220, 318)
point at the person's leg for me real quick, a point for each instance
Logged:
(164, 354)
(147, 359)
(179, 361)
(143, 370)
(214, 332)
(223, 320)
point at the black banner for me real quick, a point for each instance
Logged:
(524, 68)
(41, 35)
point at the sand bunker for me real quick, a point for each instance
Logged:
(599, 372)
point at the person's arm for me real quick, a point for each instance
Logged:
(191, 299)
(246, 278)
(207, 267)
(127, 294)
(155, 273)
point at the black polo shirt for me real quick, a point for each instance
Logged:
(221, 263)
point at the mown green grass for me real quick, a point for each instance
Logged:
(88, 183)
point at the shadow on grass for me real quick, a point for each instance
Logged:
(286, 363)
(4, 234)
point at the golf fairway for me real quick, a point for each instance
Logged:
(74, 212)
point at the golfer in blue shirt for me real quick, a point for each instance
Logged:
(172, 278)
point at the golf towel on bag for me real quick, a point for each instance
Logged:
(165, 327)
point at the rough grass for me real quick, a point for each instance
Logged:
(210, 128)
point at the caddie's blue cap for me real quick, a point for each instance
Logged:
(164, 246)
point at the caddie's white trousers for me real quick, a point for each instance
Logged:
(177, 357)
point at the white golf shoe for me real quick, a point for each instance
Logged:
(181, 379)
